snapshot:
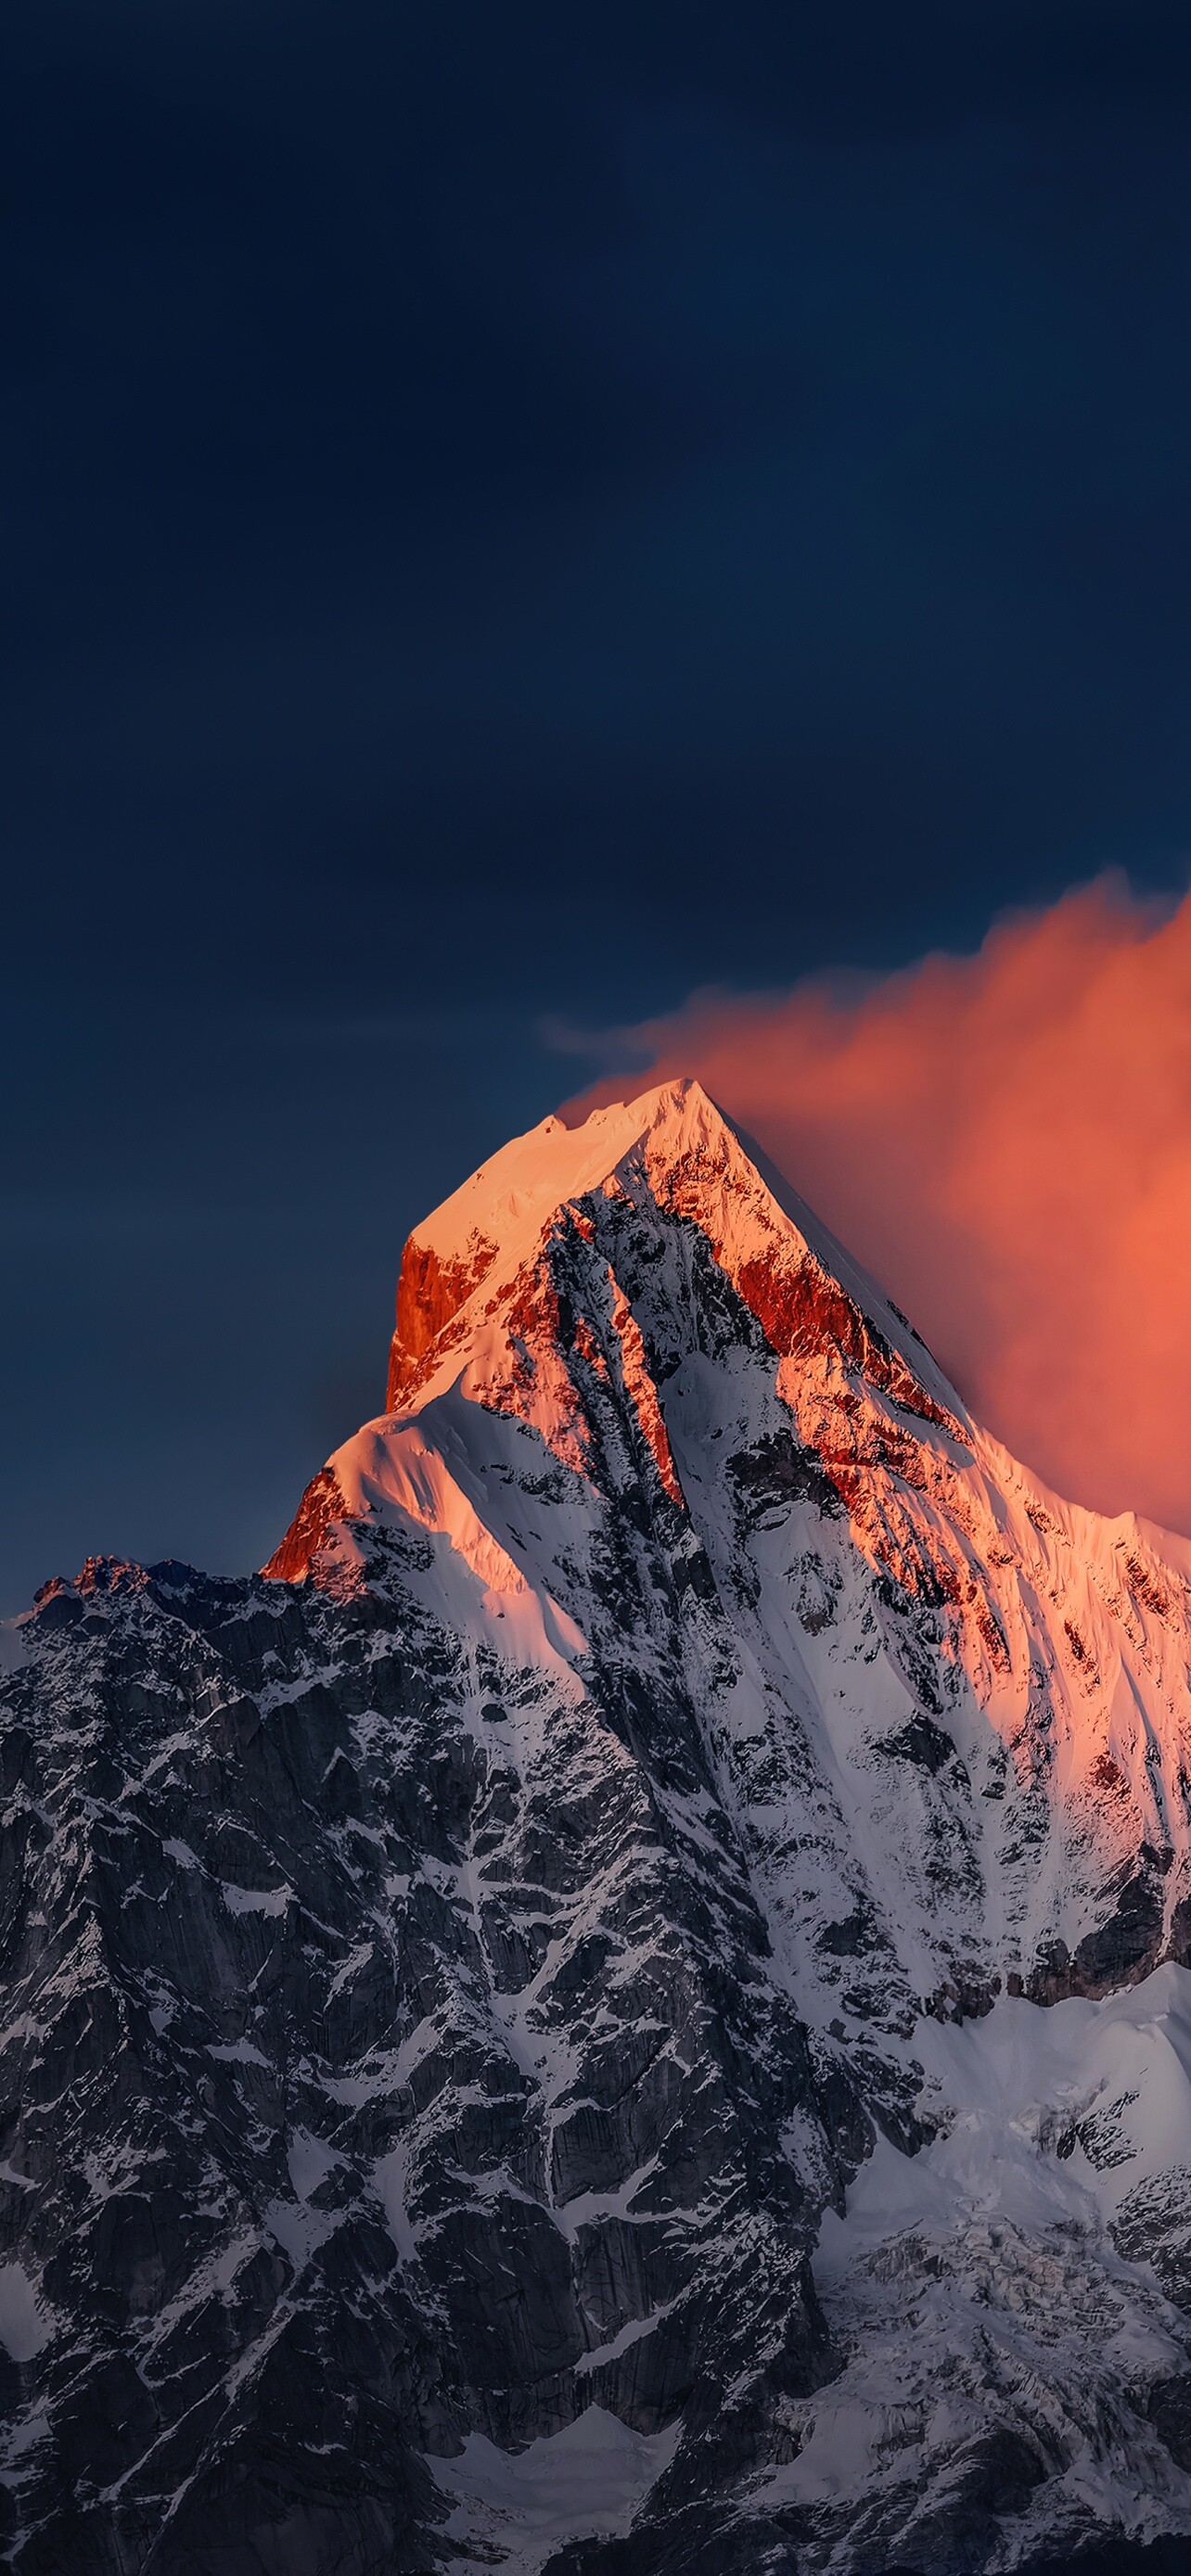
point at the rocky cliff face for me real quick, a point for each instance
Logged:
(622, 2007)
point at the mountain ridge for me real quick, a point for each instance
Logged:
(808, 1298)
(623, 2003)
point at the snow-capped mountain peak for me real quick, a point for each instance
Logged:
(673, 1138)
(624, 2004)
(638, 1306)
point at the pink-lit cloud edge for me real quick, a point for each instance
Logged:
(1005, 1141)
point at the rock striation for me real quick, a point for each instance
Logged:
(623, 2007)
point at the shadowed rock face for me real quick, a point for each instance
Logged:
(281, 1872)
(506, 2043)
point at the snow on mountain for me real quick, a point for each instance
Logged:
(565, 1277)
(625, 2004)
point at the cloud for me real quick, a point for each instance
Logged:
(1005, 1141)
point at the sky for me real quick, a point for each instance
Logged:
(515, 518)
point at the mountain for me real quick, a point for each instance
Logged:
(623, 2008)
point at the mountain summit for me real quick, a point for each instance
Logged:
(622, 2007)
(641, 1302)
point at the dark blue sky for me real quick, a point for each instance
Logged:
(514, 514)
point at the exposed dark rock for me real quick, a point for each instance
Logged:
(1118, 1953)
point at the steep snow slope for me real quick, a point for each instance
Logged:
(625, 2003)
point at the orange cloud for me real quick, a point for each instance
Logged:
(1005, 1141)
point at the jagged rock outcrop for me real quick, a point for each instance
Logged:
(625, 2002)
